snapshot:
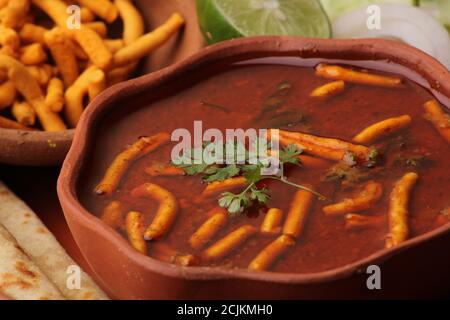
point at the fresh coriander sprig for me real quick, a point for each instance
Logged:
(237, 203)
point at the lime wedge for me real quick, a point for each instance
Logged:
(336, 8)
(438, 8)
(226, 19)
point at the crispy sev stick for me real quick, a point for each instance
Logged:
(30, 90)
(33, 54)
(55, 95)
(271, 253)
(298, 212)
(62, 51)
(6, 123)
(439, 118)
(102, 8)
(120, 74)
(32, 33)
(99, 27)
(163, 169)
(94, 47)
(55, 9)
(120, 164)
(133, 24)
(86, 15)
(329, 89)
(163, 252)
(307, 161)
(8, 94)
(354, 221)
(91, 81)
(42, 74)
(398, 210)
(229, 243)
(216, 187)
(382, 129)
(166, 213)
(148, 42)
(206, 232)
(9, 38)
(23, 113)
(272, 221)
(135, 226)
(345, 74)
(14, 13)
(113, 214)
(370, 195)
(114, 45)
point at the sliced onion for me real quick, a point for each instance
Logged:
(401, 22)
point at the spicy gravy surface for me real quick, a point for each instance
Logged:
(244, 90)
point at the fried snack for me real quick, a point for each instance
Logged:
(42, 247)
(6, 123)
(348, 75)
(312, 162)
(440, 119)
(8, 94)
(102, 8)
(91, 82)
(30, 90)
(133, 24)
(382, 129)
(23, 113)
(9, 38)
(113, 214)
(32, 33)
(55, 95)
(354, 221)
(14, 13)
(163, 169)
(148, 42)
(271, 253)
(298, 212)
(55, 9)
(327, 148)
(99, 27)
(94, 47)
(229, 243)
(365, 200)
(398, 210)
(166, 213)
(206, 232)
(62, 51)
(216, 187)
(86, 15)
(42, 74)
(272, 221)
(120, 74)
(121, 163)
(163, 252)
(329, 89)
(135, 226)
(20, 278)
(33, 54)
(114, 45)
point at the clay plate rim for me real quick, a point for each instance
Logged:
(359, 49)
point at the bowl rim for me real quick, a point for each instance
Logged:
(413, 59)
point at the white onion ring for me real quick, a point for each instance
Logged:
(401, 22)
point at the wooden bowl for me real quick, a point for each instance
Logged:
(50, 148)
(130, 275)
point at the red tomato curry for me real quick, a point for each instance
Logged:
(370, 203)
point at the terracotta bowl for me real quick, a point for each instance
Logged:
(50, 148)
(131, 275)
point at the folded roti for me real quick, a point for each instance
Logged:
(20, 278)
(43, 248)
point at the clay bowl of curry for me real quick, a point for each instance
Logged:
(360, 130)
(49, 72)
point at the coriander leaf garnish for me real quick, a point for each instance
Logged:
(236, 203)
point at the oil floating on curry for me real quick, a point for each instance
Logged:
(363, 160)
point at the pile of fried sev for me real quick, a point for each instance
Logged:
(52, 64)
(33, 265)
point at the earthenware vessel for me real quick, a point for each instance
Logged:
(130, 275)
(50, 148)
